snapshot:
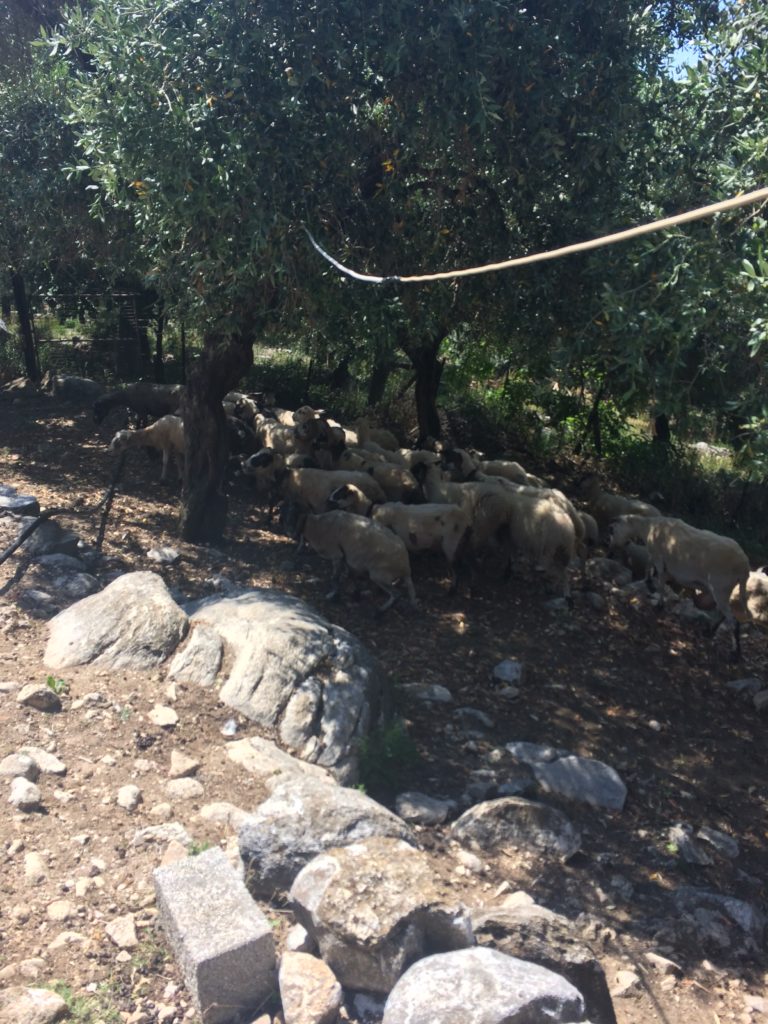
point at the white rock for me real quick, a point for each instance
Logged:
(129, 797)
(24, 794)
(122, 931)
(163, 716)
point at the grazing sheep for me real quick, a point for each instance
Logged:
(146, 400)
(606, 507)
(443, 528)
(691, 558)
(354, 543)
(533, 525)
(165, 434)
(307, 488)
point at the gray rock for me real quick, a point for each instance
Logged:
(420, 809)
(133, 623)
(129, 797)
(278, 644)
(25, 795)
(164, 556)
(429, 693)
(222, 941)
(533, 753)
(518, 823)
(61, 563)
(49, 539)
(749, 686)
(19, 1005)
(199, 660)
(481, 986)
(720, 921)
(303, 817)
(270, 764)
(542, 937)
(48, 763)
(583, 779)
(373, 908)
(20, 505)
(681, 838)
(725, 845)
(509, 671)
(21, 765)
(38, 696)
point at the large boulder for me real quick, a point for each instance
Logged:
(294, 673)
(373, 908)
(134, 623)
(518, 823)
(305, 816)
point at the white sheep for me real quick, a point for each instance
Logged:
(533, 525)
(377, 436)
(362, 546)
(428, 527)
(606, 507)
(165, 434)
(691, 558)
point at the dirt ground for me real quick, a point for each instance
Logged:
(646, 696)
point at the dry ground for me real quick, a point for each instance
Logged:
(645, 696)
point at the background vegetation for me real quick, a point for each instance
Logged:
(159, 160)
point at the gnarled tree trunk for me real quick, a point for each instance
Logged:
(218, 369)
(429, 370)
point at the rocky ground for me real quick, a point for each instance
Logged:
(608, 680)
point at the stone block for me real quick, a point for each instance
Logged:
(222, 941)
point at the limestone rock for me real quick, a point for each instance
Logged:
(20, 1005)
(517, 822)
(309, 992)
(303, 817)
(481, 986)
(133, 623)
(372, 907)
(294, 672)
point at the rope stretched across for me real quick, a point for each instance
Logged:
(619, 236)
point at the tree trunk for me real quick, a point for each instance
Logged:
(662, 432)
(429, 370)
(382, 368)
(31, 365)
(218, 369)
(159, 365)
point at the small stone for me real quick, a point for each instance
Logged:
(175, 851)
(35, 868)
(509, 671)
(182, 766)
(48, 763)
(184, 789)
(65, 939)
(626, 983)
(19, 765)
(122, 931)
(309, 991)
(298, 940)
(129, 797)
(163, 811)
(38, 696)
(60, 910)
(163, 716)
(25, 795)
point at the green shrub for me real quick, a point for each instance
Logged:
(388, 758)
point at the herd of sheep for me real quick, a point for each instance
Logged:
(358, 499)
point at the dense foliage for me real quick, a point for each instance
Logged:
(424, 136)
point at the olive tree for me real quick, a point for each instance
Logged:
(409, 136)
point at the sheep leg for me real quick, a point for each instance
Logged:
(164, 471)
(336, 577)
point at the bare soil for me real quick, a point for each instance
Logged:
(645, 695)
